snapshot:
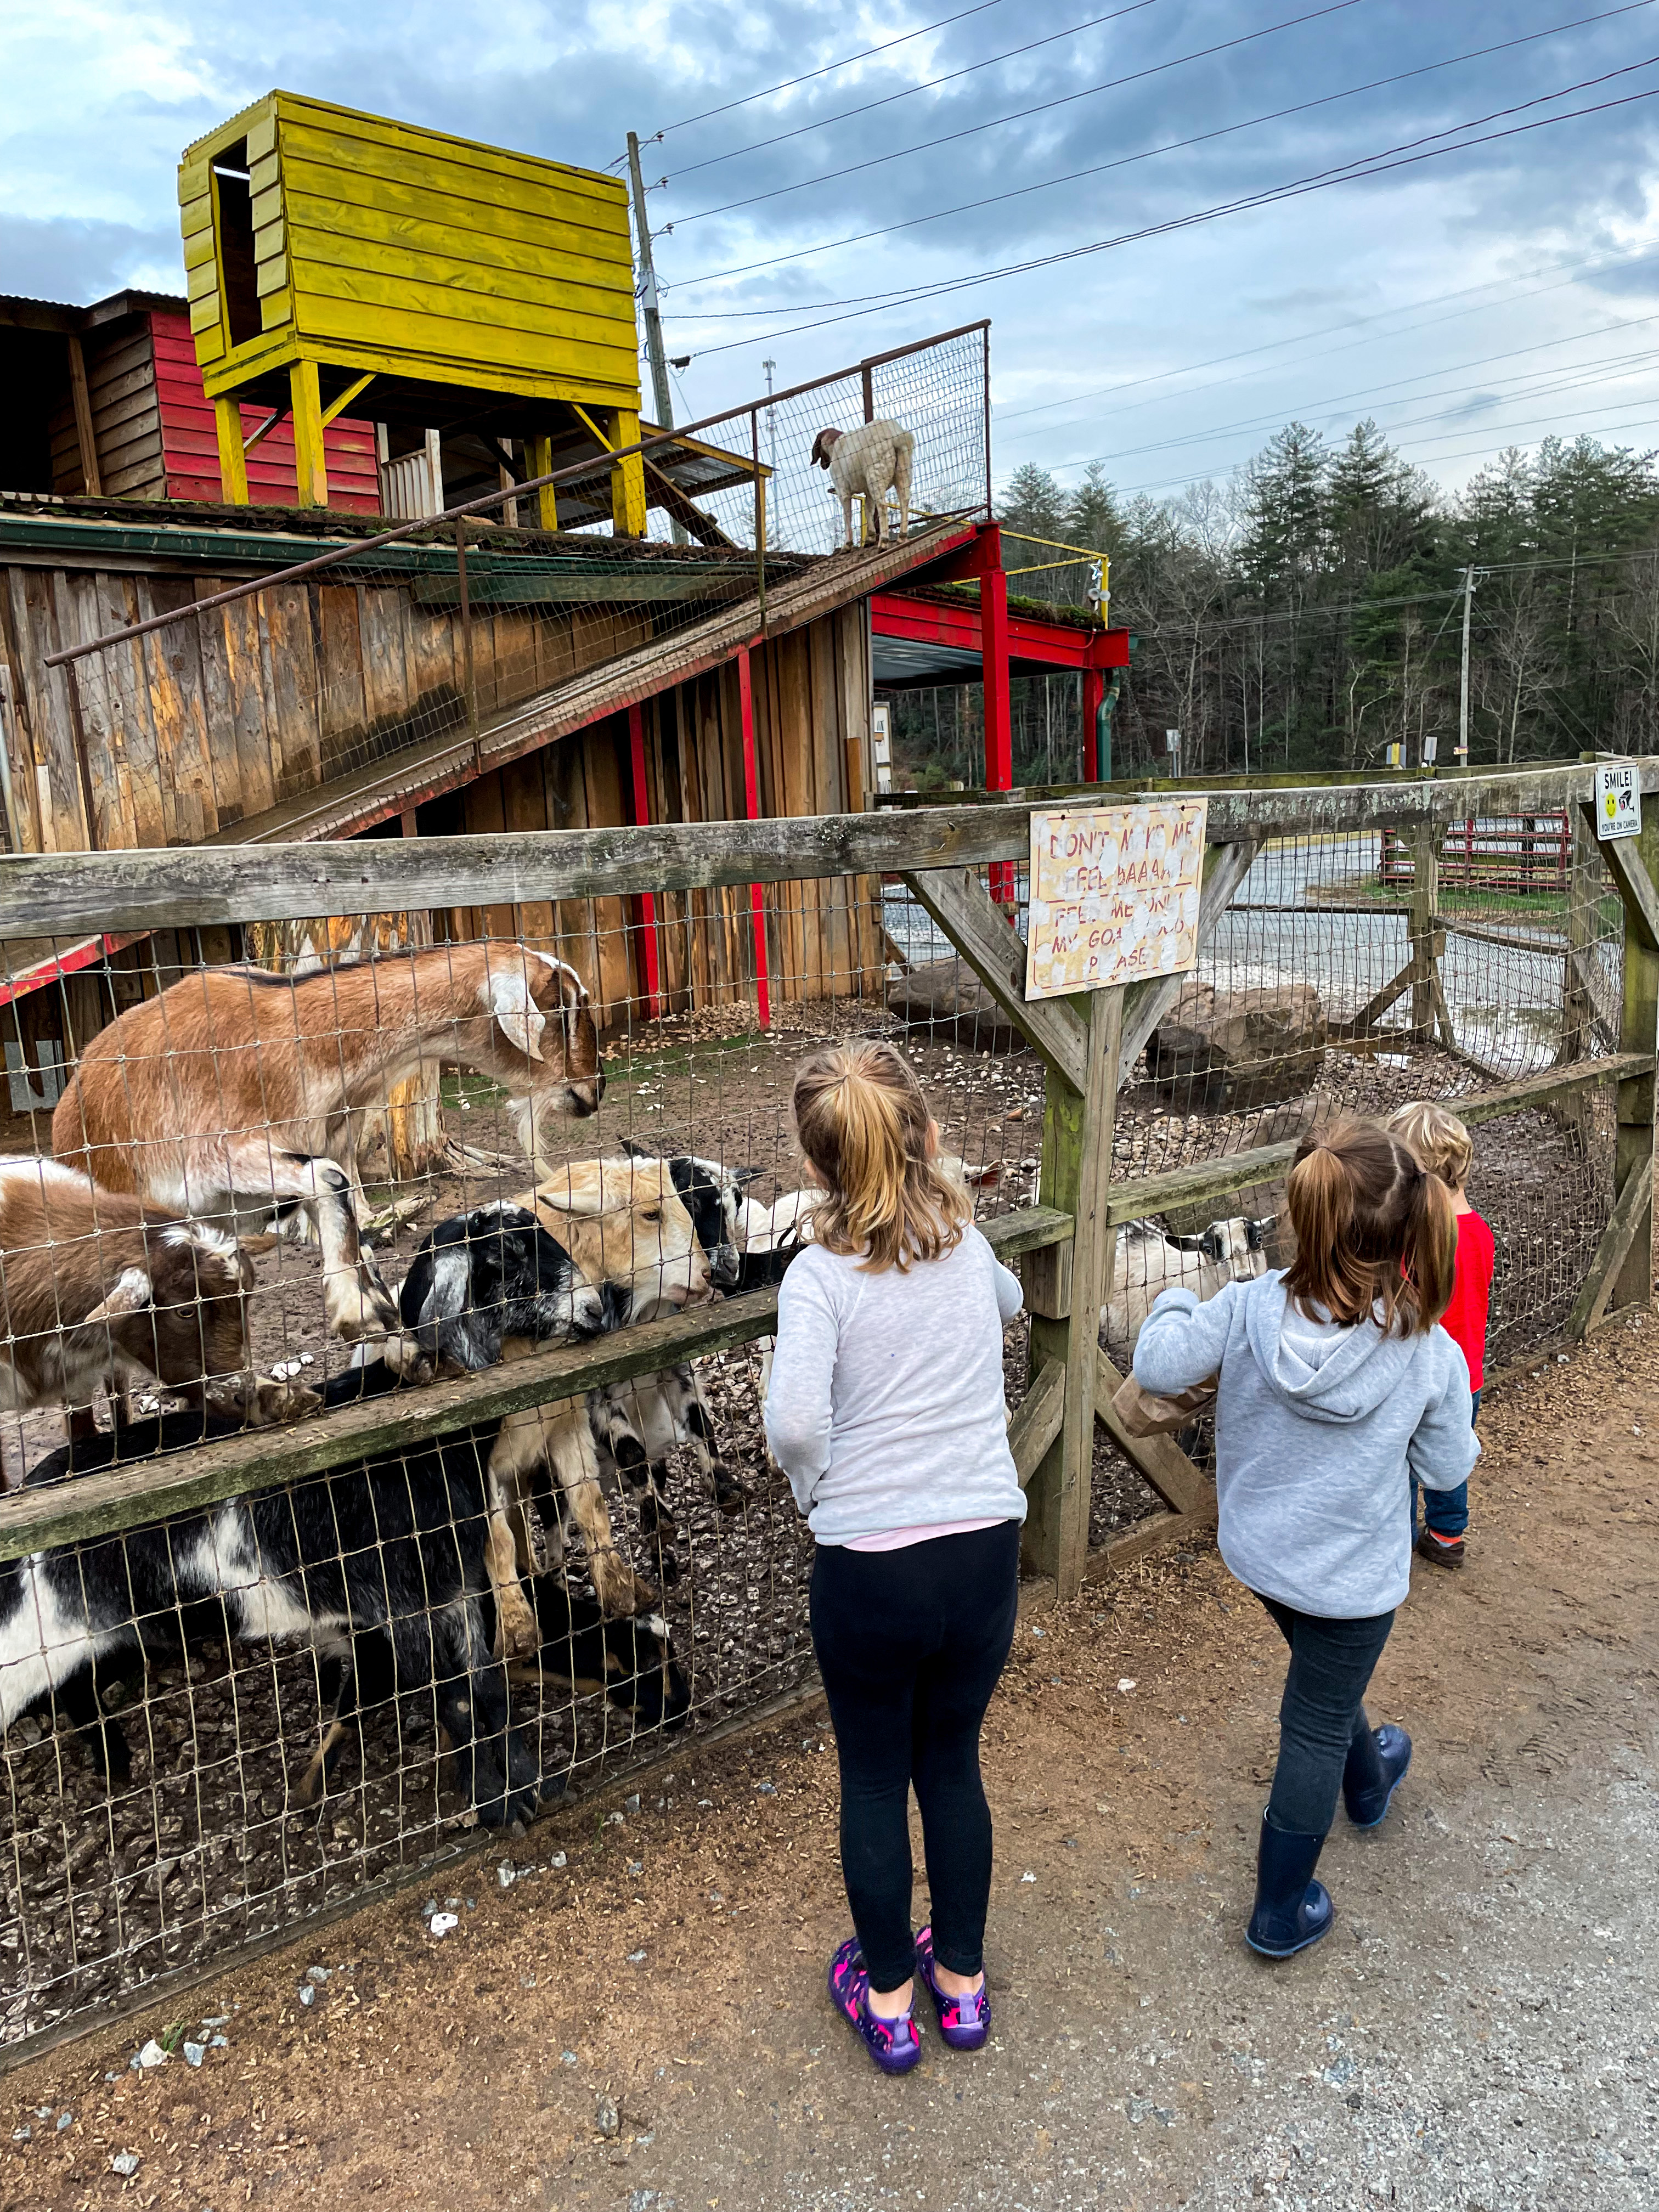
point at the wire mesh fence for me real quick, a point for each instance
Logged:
(351, 1170)
(193, 715)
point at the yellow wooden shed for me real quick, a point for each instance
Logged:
(338, 260)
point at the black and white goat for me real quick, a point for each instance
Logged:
(1147, 1261)
(410, 1610)
(394, 1547)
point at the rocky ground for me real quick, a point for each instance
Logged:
(627, 2010)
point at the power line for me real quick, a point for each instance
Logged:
(908, 92)
(1358, 322)
(828, 69)
(1019, 115)
(1379, 164)
(1147, 154)
(1368, 391)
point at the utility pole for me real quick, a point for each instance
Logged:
(771, 436)
(1463, 694)
(663, 398)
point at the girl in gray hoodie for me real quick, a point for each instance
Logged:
(1337, 1386)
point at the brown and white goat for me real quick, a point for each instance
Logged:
(235, 1096)
(627, 1229)
(96, 1289)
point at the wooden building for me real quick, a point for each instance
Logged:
(327, 251)
(108, 400)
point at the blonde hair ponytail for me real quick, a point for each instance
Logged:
(864, 1125)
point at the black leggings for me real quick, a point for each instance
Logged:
(1322, 1710)
(910, 1645)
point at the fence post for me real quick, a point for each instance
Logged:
(1426, 900)
(1621, 1273)
(1065, 1297)
(1578, 1013)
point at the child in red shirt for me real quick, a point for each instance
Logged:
(1444, 1146)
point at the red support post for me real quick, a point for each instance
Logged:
(751, 808)
(1094, 691)
(648, 902)
(994, 672)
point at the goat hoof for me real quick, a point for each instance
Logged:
(517, 1636)
(730, 1495)
(668, 1567)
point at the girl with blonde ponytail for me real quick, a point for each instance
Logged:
(1337, 1386)
(886, 1411)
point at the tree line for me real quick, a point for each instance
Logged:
(1308, 613)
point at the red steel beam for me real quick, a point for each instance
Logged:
(924, 622)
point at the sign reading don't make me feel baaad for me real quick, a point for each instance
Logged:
(1114, 895)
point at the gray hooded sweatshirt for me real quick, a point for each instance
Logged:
(1318, 1431)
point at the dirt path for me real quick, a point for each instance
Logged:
(1479, 2032)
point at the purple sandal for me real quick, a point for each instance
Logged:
(964, 2022)
(894, 2045)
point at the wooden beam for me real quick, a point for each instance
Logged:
(1225, 868)
(263, 1459)
(310, 461)
(1160, 1459)
(86, 435)
(1633, 1207)
(352, 392)
(1623, 856)
(1078, 1175)
(1038, 1420)
(233, 453)
(959, 903)
(65, 894)
(1150, 1534)
(1417, 976)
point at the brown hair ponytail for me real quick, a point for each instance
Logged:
(865, 1127)
(1373, 1229)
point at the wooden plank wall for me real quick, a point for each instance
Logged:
(126, 419)
(195, 728)
(811, 692)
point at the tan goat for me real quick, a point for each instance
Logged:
(627, 1228)
(235, 1096)
(97, 1289)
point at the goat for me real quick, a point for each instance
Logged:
(1146, 1262)
(395, 1548)
(623, 1237)
(96, 1289)
(235, 1096)
(638, 1424)
(867, 464)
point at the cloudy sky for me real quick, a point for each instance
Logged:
(1488, 294)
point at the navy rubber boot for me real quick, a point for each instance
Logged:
(1375, 1768)
(1292, 1909)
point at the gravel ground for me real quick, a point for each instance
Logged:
(635, 2019)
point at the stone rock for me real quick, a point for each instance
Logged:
(948, 997)
(1229, 1051)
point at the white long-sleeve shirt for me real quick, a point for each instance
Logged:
(886, 1408)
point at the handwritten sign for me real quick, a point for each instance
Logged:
(1114, 895)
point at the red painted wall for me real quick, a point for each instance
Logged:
(190, 449)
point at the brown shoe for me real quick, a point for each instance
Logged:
(1445, 1551)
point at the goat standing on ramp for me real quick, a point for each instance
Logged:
(234, 1095)
(867, 464)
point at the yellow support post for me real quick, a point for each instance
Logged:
(538, 462)
(310, 464)
(233, 454)
(628, 478)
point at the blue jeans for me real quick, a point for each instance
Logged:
(1446, 1512)
(1322, 1712)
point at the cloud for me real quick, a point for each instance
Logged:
(104, 98)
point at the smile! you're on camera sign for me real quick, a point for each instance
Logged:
(1114, 895)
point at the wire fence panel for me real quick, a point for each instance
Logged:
(352, 1168)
